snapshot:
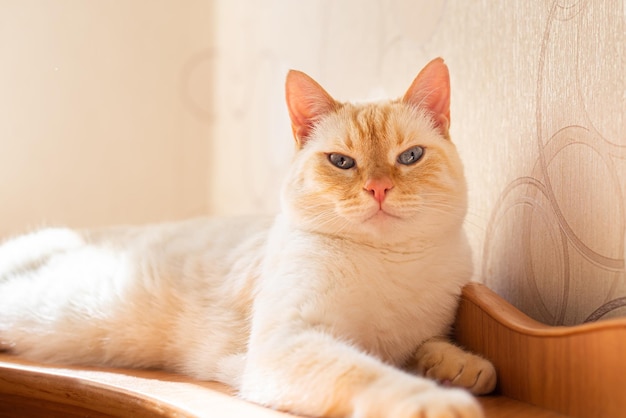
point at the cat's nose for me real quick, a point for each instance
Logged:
(379, 188)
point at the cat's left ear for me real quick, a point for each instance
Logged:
(307, 101)
(431, 91)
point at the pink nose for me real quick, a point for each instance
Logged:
(379, 188)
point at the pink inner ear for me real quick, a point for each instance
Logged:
(307, 101)
(431, 91)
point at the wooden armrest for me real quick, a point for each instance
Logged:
(579, 371)
(35, 390)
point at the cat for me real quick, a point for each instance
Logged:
(339, 306)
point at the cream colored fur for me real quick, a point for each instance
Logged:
(315, 311)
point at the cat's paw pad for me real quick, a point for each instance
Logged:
(458, 368)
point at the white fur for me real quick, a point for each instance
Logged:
(179, 296)
(311, 319)
(237, 301)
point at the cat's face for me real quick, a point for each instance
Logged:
(379, 172)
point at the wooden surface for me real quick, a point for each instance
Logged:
(35, 390)
(576, 371)
(71, 391)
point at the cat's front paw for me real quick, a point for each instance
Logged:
(434, 402)
(450, 365)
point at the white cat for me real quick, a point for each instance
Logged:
(314, 312)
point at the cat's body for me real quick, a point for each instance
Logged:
(313, 311)
(137, 296)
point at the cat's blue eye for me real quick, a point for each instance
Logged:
(341, 161)
(411, 156)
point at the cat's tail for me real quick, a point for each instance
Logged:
(28, 252)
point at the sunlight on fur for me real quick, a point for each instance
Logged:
(339, 306)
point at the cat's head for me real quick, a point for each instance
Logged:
(379, 172)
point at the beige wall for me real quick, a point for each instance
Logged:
(137, 111)
(104, 111)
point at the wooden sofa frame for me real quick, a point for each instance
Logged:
(543, 372)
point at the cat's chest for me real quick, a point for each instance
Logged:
(385, 302)
(388, 304)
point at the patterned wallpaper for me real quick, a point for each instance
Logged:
(555, 237)
(538, 114)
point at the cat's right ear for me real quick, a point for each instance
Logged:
(431, 91)
(307, 101)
